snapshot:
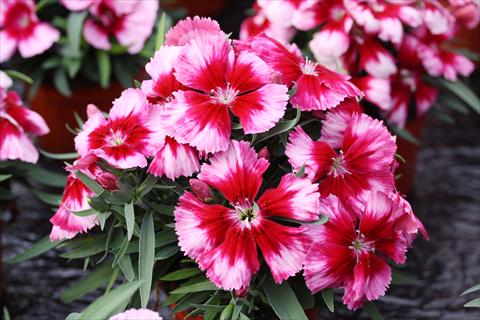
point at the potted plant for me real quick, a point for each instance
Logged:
(399, 54)
(77, 52)
(233, 181)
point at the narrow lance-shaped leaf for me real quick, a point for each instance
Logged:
(327, 295)
(130, 219)
(283, 300)
(146, 257)
(161, 32)
(104, 68)
(104, 306)
(36, 249)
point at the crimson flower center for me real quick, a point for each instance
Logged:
(360, 244)
(408, 79)
(309, 67)
(116, 138)
(337, 13)
(338, 167)
(224, 95)
(18, 18)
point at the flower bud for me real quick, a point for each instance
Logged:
(201, 190)
(263, 153)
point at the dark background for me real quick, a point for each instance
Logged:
(446, 198)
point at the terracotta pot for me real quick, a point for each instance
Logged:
(58, 110)
(200, 8)
(409, 152)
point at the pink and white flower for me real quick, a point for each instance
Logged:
(124, 139)
(17, 125)
(377, 91)
(5, 81)
(351, 250)
(161, 69)
(361, 165)
(137, 314)
(66, 224)
(220, 80)
(20, 28)
(188, 29)
(317, 88)
(437, 19)
(440, 62)
(384, 18)
(223, 240)
(466, 12)
(131, 23)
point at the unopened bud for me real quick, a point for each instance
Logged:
(201, 190)
(263, 153)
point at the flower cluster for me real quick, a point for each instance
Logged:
(387, 46)
(17, 125)
(130, 23)
(20, 28)
(212, 121)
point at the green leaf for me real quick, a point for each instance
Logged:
(106, 305)
(87, 284)
(113, 277)
(475, 303)
(162, 208)
(147, 185)
(196, 287)
(104, 68)
(146, 258)
(161, 32)
(463, 92)
(166, 252)
(404, 134)
(471, 289)
(59, 156)
(90, 183)
(180, 274)
(121, 252)
(301, 172)
(73, 316)
(280, 128)
(39, 247)
(45, 177)
(74, 30)
(85, 213)
(372, 311)
(283, 300)
(89, 249)
(48, 198)
(130, 219)
(41, 4)
(327, 295)
(400, 278)
(208, 307)
(4, 177)
(227, 312)
(125, 265)
(19, 75)
(60, 81)
(6, 314)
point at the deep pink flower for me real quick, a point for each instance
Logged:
(377, 91)
(188, 29)
(17, 124)
(352, 252)
(219, 81)
(317, 88)
(131, 23)
(66, 224)
(137, 314)
(124, 139)
(161, 69)
(361, 165)
(259, 23)
(302, 15)
(223, 240)
(171, 158)
(466, 12)
(385, 18)
(437, 19)
(333, 40)
(440, 62)
(20, 28)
